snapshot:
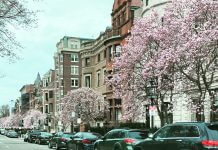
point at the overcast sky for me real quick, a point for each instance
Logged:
(58, 18)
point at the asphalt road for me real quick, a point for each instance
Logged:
(18, 144)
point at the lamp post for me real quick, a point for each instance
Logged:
(152, 94)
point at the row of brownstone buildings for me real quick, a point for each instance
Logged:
(82, 62)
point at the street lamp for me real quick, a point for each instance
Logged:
(152, 94)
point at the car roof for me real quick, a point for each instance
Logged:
(200, 124)
(128, 129)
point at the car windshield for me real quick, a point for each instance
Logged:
(67, 135)
(91, 135)
(46, 134)
(138, 134)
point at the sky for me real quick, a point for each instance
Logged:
(56, 18)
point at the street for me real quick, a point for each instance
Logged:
(18, 144)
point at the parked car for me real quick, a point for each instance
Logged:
(182, 136)
(12, 134)
(32, 135)
(121, 139)
(25, 137)
(6, 132)
(2, 131)
(83, 141)
(43, 138)
(59, 140)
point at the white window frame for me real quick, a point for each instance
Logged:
(98, 81)
(62, 93)
(61, 70)
(61, 57)
(74, 82)
(90, 75)
(60, 83)
(74, 57)
(73, 71)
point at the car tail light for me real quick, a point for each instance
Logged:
(86, 142)
(129, 141)
(63, 139)
(210, 144)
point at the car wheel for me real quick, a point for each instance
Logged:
(96, 148)
(138, 148)
(57, 148)
(49, 145)
(68, 147)
(117, 148)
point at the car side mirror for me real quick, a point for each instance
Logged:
(103, 138)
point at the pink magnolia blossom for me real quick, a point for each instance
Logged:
(87, 104)
(179, 50)
(32, 117)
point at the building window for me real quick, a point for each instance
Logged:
(104, 77)
(62, 82)
(117, 102)
(118, 21)
(124, 17)
(98, 79)
(50, 107)
(88, 81)
(74, 70)
(117, 114)
(75, 82)
(110, 52)
(105, 53)
(50, 94)
(46, 96)
(62, 92)
(117, 51)
(87, 61)
(61, 57)
(46, 108)
(74, 57)
(99, 57)
(61, 70)
(146, 2)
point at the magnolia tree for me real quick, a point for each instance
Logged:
(32, 117)
(16, 120)
(177, 51)
(86, 103)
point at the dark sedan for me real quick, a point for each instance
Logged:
(83, 141)
(32, 135)
(43, 138)
(121, 139)
(59, 140)
(183, 136)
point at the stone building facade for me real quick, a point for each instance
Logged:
(67, 70)
(47, 106)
